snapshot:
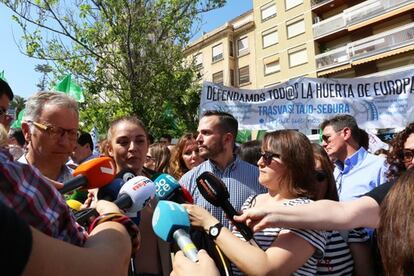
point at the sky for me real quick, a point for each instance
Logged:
(19, 69)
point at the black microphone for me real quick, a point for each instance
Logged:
(214, 191)
(110, 192)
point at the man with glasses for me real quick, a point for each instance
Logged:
(216, 138)
(50, 126)
(356, 171)
(6, 96)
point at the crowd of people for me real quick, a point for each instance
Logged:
(329, 209)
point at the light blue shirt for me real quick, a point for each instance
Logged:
(359, 174)
(240, 178)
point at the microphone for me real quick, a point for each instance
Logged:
(135, 194)
(74, 204)
(93, 173)
(215, 192)
(170, 221)
(110, 192)
(169, 189)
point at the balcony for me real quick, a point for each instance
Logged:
(372, 46)
(330, 25)
(332, 58)
(372, 8)
(354, 15)
(383, 42)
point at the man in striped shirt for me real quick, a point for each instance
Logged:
(216, 141)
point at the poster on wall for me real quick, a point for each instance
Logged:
(303, 103)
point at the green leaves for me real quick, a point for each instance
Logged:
(126, 55)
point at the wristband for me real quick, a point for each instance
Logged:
(129, 225)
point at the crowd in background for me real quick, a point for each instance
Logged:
(291, 192)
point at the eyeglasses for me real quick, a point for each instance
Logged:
(268, 157)
(57, 132)
(149, 158)
(320, 175)
(407, 155)
(326, 138)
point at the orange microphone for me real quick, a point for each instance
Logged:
(94, 173)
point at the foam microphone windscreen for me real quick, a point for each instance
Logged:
(170, 221)
(94, 173)
(110, 192)
(99, 171)
(135, 194)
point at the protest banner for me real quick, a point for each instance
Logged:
(303, 103)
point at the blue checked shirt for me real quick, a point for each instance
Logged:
(240, 178)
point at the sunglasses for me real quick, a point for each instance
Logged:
(407, 155)
(320, 175)
(268, 157)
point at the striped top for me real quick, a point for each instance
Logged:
(338, 258)
(240, 178)
(266, 237)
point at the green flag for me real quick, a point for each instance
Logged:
(2, 76)
(18, 122)
(70, 88)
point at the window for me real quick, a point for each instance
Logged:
(270, 38)
(231, 77)
(218, 77)
(243, 46)
(244, 77)
(198, 60)
(272, 67)
(292, 3)
(231, 47)
(298, 57)
(295, 28)
(217, 52)
(268, 12)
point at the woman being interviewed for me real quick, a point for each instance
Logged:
(127, 144)
(287, 170)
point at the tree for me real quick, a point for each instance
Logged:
(44, 69)
(127, 55)
(18, 103)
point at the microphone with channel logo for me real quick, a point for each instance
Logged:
(169, 189)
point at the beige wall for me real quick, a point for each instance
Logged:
(252, 26)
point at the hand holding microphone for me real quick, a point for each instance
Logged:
(170, 222)
(94, 173)
(215, 192)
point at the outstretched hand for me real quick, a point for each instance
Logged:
(257, 218)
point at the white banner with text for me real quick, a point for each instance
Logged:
(303, 103)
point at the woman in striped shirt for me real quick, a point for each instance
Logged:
(287, 169)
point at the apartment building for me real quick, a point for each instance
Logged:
(283, 39)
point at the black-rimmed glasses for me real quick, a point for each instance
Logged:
(268, 157)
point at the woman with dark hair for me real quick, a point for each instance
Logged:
(401, 154)
(185, 156)
(395, 232)
(287, 170)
